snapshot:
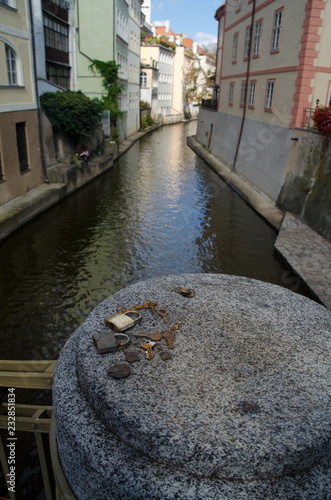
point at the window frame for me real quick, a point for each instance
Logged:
(22, 147)
(328, 95)
(234, 57)
(247, 42)
(231, 93)
(273, 49)
(251, 104)
(12, 66)
(243, 93)
(56, 34)
(269, 109)
(238, 5)
(254, 53)
(9, 3)
(2, 173)
(143, 75)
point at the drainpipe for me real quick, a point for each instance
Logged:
(87, 57)
(40, 136)
(246, 92)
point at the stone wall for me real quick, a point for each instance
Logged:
(306, 191)
(291, 167)
(263, 151)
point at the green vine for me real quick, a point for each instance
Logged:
(111, 84)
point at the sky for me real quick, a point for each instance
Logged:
(195, 18)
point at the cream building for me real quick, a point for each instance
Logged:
(20, 156)
(157, 56)
(274, 66)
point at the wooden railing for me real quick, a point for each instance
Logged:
(28, 418)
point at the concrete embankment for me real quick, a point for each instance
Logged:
(304, 251)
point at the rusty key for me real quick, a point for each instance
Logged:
(148, 346)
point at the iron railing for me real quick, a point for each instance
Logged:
(209, 103)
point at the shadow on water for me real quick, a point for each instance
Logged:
(160, 210)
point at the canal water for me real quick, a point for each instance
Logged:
(160, 210)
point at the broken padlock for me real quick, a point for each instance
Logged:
(121, 322)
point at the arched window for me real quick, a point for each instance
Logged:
(11, 66)
(143, 79)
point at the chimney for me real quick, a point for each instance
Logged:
(195, 47)
(167, 26)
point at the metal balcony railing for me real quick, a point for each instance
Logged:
(209, 103)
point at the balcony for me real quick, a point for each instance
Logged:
(209, 104)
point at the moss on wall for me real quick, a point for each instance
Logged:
(306, 191)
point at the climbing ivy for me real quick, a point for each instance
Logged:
(72, 112)
(111, 84)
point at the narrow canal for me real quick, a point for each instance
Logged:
(160, 210)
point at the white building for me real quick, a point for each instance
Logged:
(159, 57)
(133, 88)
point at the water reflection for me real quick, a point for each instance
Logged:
(161, 210)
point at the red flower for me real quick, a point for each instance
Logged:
(322, 120)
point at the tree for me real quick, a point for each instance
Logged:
(72, 112)
(197, 80)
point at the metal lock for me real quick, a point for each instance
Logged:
(108, 342)
(121, 322)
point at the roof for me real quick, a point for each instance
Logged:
(161, 30)
(188, 44)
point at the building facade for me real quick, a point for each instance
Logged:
(157, 61)
(274, 66)
(21, 166)
(133, 85)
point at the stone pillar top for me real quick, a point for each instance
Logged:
(244, 397)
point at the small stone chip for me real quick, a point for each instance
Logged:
(119, 370)
(132, 356)
(164, 355)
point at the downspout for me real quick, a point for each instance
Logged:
(87, 57)
(246, 91)
(40, 136)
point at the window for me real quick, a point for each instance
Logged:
(269, 101)
(252, 87)
(247, 42)
(56, 34)
(235, 47)
(238, 5)
(143, 79)
(1, 170)
(9, 3)
(257, 38)
(328, 100)
(60, 75)
(231, 93)
(276, 30)
(22, 146)
(243, 94)
(11, 66)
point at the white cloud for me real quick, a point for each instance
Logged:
(205, 38)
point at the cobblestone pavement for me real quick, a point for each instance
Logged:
(308, 254)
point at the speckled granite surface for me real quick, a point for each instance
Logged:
(241, 410)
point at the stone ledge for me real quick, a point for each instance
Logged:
(240, 411)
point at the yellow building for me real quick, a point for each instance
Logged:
(20, 157)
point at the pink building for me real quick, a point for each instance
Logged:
(273, 67)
